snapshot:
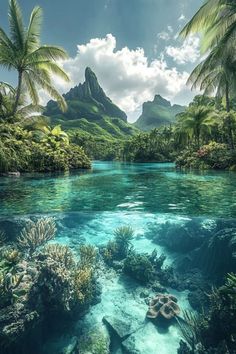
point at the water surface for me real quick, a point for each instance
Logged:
(114, 186)
(89, 205)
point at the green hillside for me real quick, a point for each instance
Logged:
(91, 112)
(157, 113)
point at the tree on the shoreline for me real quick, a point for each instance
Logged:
(215, 21)
(34, 63)
(195, 121)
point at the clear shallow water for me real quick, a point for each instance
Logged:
(154, 188)
(89, 205)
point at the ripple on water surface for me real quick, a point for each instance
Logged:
(155, 188)
(89, 205)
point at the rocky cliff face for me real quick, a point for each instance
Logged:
(90, 111)
(157, 113)
(88, 100)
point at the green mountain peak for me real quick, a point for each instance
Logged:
(156, 113)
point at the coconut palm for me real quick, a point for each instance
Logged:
(195, 121)
(216, 20)
(217, 75)
(25, 113)
(34, 63)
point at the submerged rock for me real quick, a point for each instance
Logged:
(135, 343)
(121, 328)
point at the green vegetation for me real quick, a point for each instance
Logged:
(92, 120)
(215, 75)
(212, 331)
(22, 150)
(27, 142)
(23, 52)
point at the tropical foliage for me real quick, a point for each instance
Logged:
(34, 63)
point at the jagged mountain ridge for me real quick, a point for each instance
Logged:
(91, 91)
(157, 113)
(91, 111)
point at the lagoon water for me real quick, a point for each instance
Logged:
(89, 205)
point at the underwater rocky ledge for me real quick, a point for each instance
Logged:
(78, 298)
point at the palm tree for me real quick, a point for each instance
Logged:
(216, 20)
(195, 121)
(35, 64)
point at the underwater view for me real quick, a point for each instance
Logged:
(118, 177)
(178, 224)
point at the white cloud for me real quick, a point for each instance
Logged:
(165, 36)
(170, 29)
(181, 18)
(126, 75)
(188, 52)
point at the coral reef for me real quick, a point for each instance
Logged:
(217, 255)
(163, 305)
(36, 234)
(139, 267)
(120, 246)
(214, 330)
(35, 285)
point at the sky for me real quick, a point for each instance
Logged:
(132, 46)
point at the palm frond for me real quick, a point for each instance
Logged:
(203, 18)
(32, 90)
(53, 68)
(47, 52)
(33, 31)
(48, 87)
(16, 24)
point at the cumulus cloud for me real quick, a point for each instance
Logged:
(127, 76)
(188, 52)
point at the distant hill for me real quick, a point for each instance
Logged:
(91, 111)
(157, 113)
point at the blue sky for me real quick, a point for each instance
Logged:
(150, 25)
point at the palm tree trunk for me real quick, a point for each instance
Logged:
(18, 92)
(230, 130)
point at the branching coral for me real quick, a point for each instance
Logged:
(12, 255)
(119, 248)
(123, 236)
(83, 284)
(88, 255)
(36, 234)
(61, 254)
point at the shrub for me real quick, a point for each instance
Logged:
(211, 156)
(24, 151)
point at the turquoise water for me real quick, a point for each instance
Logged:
(89, 205)
(118, 187)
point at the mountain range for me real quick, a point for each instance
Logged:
(91, 112)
